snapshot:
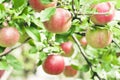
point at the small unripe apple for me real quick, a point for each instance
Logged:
(99, 38)
(69, 71)
(9, 36)
(54, 64)
(83, 41)
(37, 5)
(60, 22)
(106, 13)
(1, 73)
(67, 47)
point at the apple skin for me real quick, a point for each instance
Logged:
(83, 41)
(67, 47)
(1, 73)
(38, 6)
(9, 36)
(54, 64)
(104, 7)
(99, 38)
(60, 22)
(69, 71)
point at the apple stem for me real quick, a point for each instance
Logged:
(5, 53)
(83, 54)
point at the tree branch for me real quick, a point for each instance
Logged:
(116, 43)
(83, 54)
(5, 53)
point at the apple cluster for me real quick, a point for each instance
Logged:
(61, 22)
(62, 16)
(100, 38)
(104, 13)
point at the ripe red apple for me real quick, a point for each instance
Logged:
(1, 73)
(104, 7)
(67, 47)
(83, 41)
(69, 71)
(9, 36)
(60, 22)
(37, 5)
(99, 38)
(54, 64)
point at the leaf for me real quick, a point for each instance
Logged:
(118, 4)
(45, 1)
(46, 14)
(18, 3)
(42, 56)
(12, 61)
(2, 8)
(4, 65)
(2, 49)
(106, 67)
(33, 50)
(84, 68)
(33, 33)
(38, 23)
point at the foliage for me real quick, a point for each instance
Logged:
(18, 13)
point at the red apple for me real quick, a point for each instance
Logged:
(104, 7)
(67, 47)
(69, 71)
(54, 64)
(99, 38)
(83, 41)
(9, 36)
(37, 5)
(1, 73)
(60, 22)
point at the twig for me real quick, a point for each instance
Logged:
(83, 54)
(105, 13)
(5, 53)
(115, 43)
(75, 14)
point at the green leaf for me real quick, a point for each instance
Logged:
(106, 67)
(84, 68)
(2, 49)
(19, 5)
(2, 8)
(118, 4)
(33, 33)
(4, 65)
(42, 56)
(38, 23)
(12, 61)
(33, 50)
(45, 1)
(46, 14)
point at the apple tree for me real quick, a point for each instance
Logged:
(87, 32)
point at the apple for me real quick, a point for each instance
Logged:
(37, 5)
(60, 22)
(53, 64)
(83, 41)
(67, 47)
(99, 38)
(9, 36)
(106, 13)
(1, 73)
(69, 71)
